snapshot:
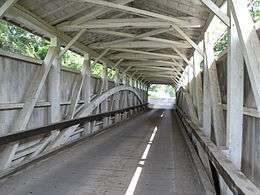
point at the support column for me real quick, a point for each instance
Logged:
(117, 96)
(217, 110)
(235, 95)
(250, 44)
(104, 80)
(54, 91)
(197, 59)
(65, 134)
(86, 89)
(124, 95)
(206, 102)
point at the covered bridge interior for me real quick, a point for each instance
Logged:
(65, 131)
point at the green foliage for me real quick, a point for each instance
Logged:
(170, 90)
(96, 69)
(111, 74)
(161, 91)
(18, 40)
(255, 9)
(221, 44)
(72, 60)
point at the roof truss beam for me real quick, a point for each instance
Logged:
(176, 22)
(155, 69)
(136, 11)
(141, 44)
(217, 11)
(143, 36)
(134, 56)
(5, 5)
(153, 65)
(126, 22)
(146, 53)
(97, 11)
(182, 55)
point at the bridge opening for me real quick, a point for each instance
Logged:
(161, 96)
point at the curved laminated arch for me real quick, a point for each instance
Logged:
(98, 100)
(63, 136)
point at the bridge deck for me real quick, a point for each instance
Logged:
(147, 155)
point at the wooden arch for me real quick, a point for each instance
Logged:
(94, 103)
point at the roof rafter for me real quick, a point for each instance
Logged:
(96, 12)
(146, 53)
(135, 11)
(146, 13)
(142, 36)
(140, 44)
(217, 11)
(152, 64)
(126, 22)
(5, 5)
(135, 56)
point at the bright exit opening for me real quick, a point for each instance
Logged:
(161, 96)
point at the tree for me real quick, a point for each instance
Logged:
(17, 40)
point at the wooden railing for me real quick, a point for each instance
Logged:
(237, 182)
(17, 136)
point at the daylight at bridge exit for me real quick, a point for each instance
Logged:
(129, 97)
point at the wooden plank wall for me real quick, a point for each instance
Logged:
(251, 123)
(15, 77)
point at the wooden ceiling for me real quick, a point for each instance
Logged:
(154, 37)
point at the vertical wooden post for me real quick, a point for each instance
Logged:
(193, 83)
(54, 92)
(217, 110)
(65, 135)
(86, 89)
(104, 78)
(235, 94)
(198, 85)
(53, 88)
(206, 101)
(250, 44)
(117, 96)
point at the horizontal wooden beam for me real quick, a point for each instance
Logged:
(154, 63)
(136, 11)
(63, 125)
(151, 70)
(133, 56)
(141, 44)
(126, 22)
(156, 68)
(131, 37)
(159, 75)
(146, 53)
(139, 36)
(95, 12)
